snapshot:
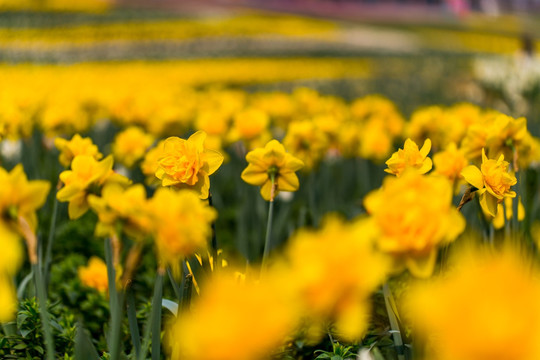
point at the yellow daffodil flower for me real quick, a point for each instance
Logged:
(19, 200)
(492, 180)
(307, 142)
(251, 126)
(486, 307)
(127, 205)
(233, 320)
(130, 145)
(450, 162)
(314, 257)
(414, 216)
(182, 224)
(11, 258)
(506, 135)
(8, 299)
(20, 197)
(150, 163)
(76, 146)
(273, 169)
(410, 157)
(87, 175)
(94, 275)
(188, 164)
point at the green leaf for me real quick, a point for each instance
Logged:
(84, 349)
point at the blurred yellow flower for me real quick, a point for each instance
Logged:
(76, 146)
(492, 180)
(450, 162)
(413, 216)
(499, 219)
(20, 198)
(121, 205)
(410, 158)
(315, 257)
(251, 126)
(150, 163)
(273, 169)
(375, 141)
(506, 136)
(87, 176)
(307, 142)
(130, 145)
(188, 164)
(8, 299)
(182, 224)
(233, 320)
(94, 275)
(11, 256)
(486, 307)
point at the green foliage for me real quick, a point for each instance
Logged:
(27, 341)
(339, 352)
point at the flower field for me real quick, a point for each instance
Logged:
(295, 192)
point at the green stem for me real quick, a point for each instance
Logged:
(114, 304)
(50, 241)
(174, 284)
(154, 321)
(156, 317)
(268, 238)
(394, 325)
(43, 313)
(132, 319)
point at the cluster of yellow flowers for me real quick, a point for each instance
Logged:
(56, 5)
(63, 100)
(158, 29)
(407, 221)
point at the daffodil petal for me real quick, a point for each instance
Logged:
(253, 176)
(266, 190)
(198, 140)
(426, 148)
(288, 182)
(214, 160)
(426, 166)
(473, 176)
(488, 203)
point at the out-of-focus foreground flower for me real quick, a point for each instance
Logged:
(486, 307)
(234, 320)
(273, 169)
(315, 257)
(182, 224)
(10, 261)
(413, 215)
